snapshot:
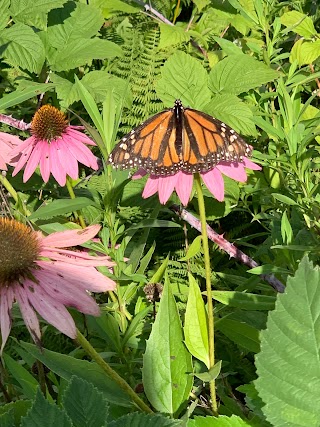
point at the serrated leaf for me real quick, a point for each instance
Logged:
(19, 96)
(79, 52)
(112, 6)
(7, 419)
(299, 23)
(33, 12)
(305, 52)
(67, 366)
(5, 14)
(239, 73)
(171, 35)
(75, 21)
(288, 364)
(222, 421)
(144, 420)
(231, 110)
(22, 47)
(196, 324)
(245, 301)
(166, 362)
(61, 207)
(185, 78)
(66, 91)
(84, 404)
(240, 333)
(45, 414)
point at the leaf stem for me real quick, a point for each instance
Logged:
(78, 215)
(205, 246)
(13, 193)
(81, 340)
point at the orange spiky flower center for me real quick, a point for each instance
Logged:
(48, 123)
(19, 249)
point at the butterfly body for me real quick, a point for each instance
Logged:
(179, 139)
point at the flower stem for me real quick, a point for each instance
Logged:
(13, 193)
(81, 340)
(78, 215)
(205, 246)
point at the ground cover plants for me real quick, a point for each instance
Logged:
(141, 296)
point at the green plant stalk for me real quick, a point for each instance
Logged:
(78, 215)
(81, 340)
(13, 193)
(205, 246)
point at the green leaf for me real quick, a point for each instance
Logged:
(245, 301)
(26, 10)
(231, 110)
(5, 14)
(193, 249)
(67, 366)
(84, 404)
(196, 324)
(19, 408)
(62, 207)
(288, 364)
(112, 6)
(79, 52)
(166, 362)
(22, 47)
(268, 269)
(66, 91)
(152, 223)
(171, 35)
(7, 419)
(45, 414)
(18, 96)
(144, 420)
(241, 333)
(286, 229)
(212, 374)
(228, 47)
(27, 382)
(239, 73)
(222, 421)
(75, 21)
(284, 199)
(185, 78)
(305, 52)
(299, 23)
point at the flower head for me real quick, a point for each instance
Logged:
(7, 143)
(182, 181)
(55, 146)
(43, 277)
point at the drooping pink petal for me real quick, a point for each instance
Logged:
(45, 160)
(32, 162)
(23, 145)
(77, 258)
(251, 165)
(67, 160)
(86, 278)
(23, 160)
(166, 186)
(63, 239)
(234, 170)
(7, 143)
(55, 166)
(52, 311)
(81, 153)
(6, 301)
(184, 187)
(214, 182)
(28, 314)
(151, 187)
(79, 136)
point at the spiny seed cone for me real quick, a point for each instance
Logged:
(48, 123)
(19, 249)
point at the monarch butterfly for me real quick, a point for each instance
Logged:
(179, 139)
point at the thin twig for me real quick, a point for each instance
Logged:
(227, 247)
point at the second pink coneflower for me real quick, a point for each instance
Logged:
(55, 146)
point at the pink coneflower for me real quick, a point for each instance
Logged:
(55, 146)
(7, 144)
(182, 182)
(41, 276)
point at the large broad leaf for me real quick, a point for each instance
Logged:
(305, 52)
(24, 10)
(73, 22)
(288, 365)
(22, 47)
(80, 51)
(183, 77)
(166, 362)
(45, 414)
(299, 23)
(232, 111)
(5, 14)
(239, 73)
(222, 421)
(144, 420)
(61, 207)
(171, 34)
